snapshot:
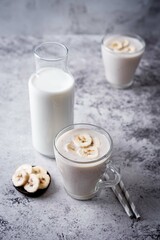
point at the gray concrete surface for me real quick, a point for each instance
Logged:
(132, 118)
(39, 17)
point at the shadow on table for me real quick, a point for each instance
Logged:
(51, 190)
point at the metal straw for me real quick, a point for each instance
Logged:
(126, 194)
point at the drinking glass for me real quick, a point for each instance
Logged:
(83, 179)
(120, 66)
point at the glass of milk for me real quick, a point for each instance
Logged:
(51, 95)
(121, 55)
(82, 153)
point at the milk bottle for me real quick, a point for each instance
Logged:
(51, 94)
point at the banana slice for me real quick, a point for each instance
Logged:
(95, 142)
(32, 184)
(83, 140)
(115, 45)
(44, 180)
(125, 50)
(125, 43)
(39, 170)
(20, 178)
(70, 147)
(25, 167)
(90, 152)
(131, 49)
(118, 50)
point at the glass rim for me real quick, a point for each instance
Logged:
(35, 51)
(106, 155)
(127, 35)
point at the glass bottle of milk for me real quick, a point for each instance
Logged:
(51, 94)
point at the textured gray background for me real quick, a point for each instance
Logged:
(52, 17)
(131, 116)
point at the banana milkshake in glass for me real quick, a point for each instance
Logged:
(51, 94)
(121, 55)
(82, 154)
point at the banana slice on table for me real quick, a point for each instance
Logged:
(25, 167)
(82, 140)
(125, 43)
(32, 184)
(89, 152)
(70, 147)
(44, 180)
(20, 178)
(39, 170)
(115, 45)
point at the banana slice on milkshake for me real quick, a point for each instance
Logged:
(125, 43)
(115, 45)
(131, 49)
(70, 147)
(121, 46)
(82, 140)
(89, 152)
(84, 144)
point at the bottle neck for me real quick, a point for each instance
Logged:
(51, 55)
(61, 64)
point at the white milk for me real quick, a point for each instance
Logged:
(51, 93)
(80, 178)
(120, 66)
